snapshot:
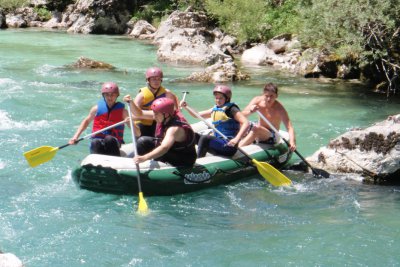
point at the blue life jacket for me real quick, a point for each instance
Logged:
(226, 125)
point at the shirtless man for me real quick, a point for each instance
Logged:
(274, 111)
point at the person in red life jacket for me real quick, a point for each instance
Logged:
(106, 113)
(174, 140)
(227, 118)
(144, 99)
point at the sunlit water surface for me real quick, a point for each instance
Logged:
(46, 220)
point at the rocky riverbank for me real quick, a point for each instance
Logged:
(184, 37)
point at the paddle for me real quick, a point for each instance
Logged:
(142, 207)
(267, 171)
(43, 154)
(316, 172)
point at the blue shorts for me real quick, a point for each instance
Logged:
(221, 147)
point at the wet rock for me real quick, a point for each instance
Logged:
(141, 29)
(87, 63)
(373, 152)
(220, 72)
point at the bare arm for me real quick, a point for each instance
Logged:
(251, 107)
(84, 124)
(288, 124)
(137, 112)
(244, 125)
(172, 96)
(204, 114)
(136, 129)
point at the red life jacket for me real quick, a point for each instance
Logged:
(180, 121)
(106, 117)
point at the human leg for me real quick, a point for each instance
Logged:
(185, 157)
(111, 146)
(218, 146)
(203, 145)
(97, 146)
(145, 144)
(258, 133)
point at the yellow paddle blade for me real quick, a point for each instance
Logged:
(40, 155)
(142, 208)
(272, 175)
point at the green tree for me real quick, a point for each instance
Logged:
(366, 31)
(12, 4)
(242, 19)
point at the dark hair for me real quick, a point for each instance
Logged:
(271, 87)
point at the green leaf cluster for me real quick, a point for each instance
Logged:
(12, 4)
(43, 13)
(243, 19)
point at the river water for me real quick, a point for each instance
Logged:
(46, 220)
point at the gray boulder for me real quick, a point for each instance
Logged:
(185, 38)
(100, 16)
(373, 152)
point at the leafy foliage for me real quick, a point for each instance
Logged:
(12, 4)
(240, 18)
(43, 13)
(365, 30)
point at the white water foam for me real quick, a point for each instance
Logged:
(6, 123)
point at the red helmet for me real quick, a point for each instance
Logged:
(154, 72)
(109, 87)
(225, 90)
(163, 105)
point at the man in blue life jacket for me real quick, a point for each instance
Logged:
(106, 113)
(227, 118)
(148, 94)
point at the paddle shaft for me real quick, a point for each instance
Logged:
(286, 141)
(97, 132)
(134, 147)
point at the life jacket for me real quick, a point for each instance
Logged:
(180, 121)
(148, 98)
(106, 117)
(226, 125)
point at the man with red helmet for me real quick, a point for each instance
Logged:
(148, 94)
(275, 112)
(227, 119)
(174, 140)
(106, 113)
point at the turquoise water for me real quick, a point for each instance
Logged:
(47, 221)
